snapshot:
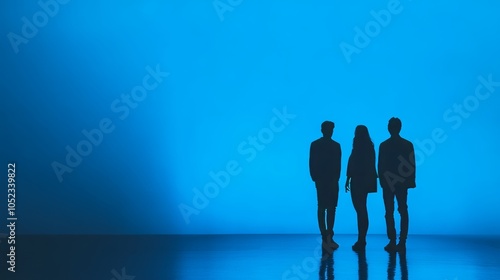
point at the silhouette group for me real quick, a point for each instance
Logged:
(396, 174)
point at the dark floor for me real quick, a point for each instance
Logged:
(293, 257)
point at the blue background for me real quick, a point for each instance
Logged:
(228, 72)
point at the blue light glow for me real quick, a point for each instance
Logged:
(233, 76)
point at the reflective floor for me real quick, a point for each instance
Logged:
(292, 257)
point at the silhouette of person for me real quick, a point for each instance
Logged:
(361, 180)
(396, 167)
(324, 167)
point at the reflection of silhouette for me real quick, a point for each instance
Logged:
(396, 167)
(361, 180)
(403, 265)
(391, 267)
(362, 266)
(326, 269)
(324, 167)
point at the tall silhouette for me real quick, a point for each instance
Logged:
(361, 180)
(396, 167)
(324, 167)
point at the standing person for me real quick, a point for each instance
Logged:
(396, 167)
(324, 167)
(361, 180)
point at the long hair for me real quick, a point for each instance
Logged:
(362, 140)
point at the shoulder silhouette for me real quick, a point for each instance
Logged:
(324, 159)
(396, 164)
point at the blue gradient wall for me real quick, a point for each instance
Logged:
(177, 117)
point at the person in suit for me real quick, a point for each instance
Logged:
(324, 168)
(396, 167)
(361, 180)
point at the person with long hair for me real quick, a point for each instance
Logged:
(361, 180)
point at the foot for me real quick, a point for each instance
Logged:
(334, 244)
(329, 243)
(359, 246)
(391, 247)
(401, 247)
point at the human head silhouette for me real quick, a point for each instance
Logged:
(362, 137)
(361, 132)
(394, 126)
(327, 128)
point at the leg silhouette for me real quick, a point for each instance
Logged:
(330, 220)
(359, 202)
(327, 202)
(402, 197)
(321, 221)
(389, 219)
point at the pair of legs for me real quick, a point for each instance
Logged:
(359, 198)
(328, 195)
(401, 195)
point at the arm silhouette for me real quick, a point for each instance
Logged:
(312, 163)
